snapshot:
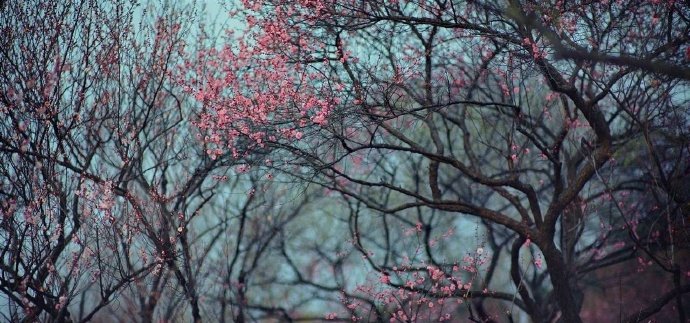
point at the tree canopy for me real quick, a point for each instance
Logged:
(364, 160)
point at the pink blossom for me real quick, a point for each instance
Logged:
(385, 278)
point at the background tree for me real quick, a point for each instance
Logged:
(62, 229)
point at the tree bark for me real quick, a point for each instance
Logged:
(560, 279)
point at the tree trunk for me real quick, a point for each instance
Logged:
(564, 291)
